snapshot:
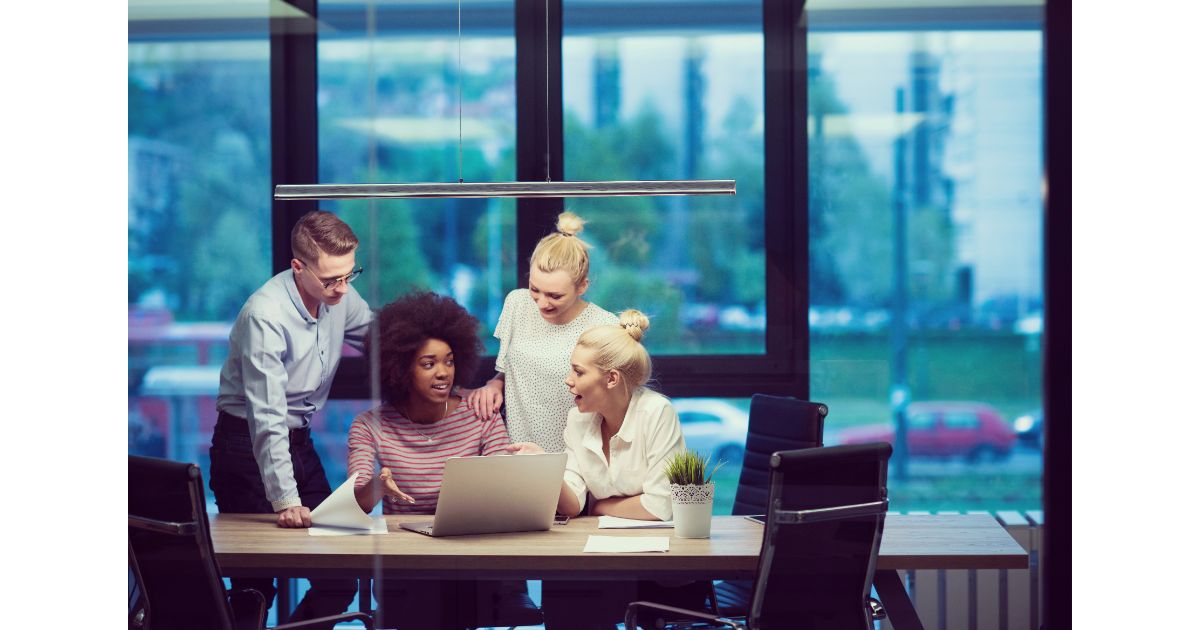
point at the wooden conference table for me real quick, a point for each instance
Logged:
(251, 545)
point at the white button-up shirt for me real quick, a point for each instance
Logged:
(637, 453)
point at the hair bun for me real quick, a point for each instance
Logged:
(635, 323)
(569, 224)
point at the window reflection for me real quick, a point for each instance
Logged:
(925, 277)
(199, 159)
(695, 265)
(388, 106)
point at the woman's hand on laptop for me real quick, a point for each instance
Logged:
(391, 492)
(524, 448)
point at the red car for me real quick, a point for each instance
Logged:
(945, 429)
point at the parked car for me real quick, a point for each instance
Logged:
(713, 427)
(1028, 427)
(972, 430)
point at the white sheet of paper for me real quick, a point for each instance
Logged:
(616, 522)
(626, 544)
(340, 515)
(378, 526)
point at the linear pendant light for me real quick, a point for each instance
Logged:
(535, 189)
(507, 189)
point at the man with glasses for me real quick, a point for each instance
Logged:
(283, 351)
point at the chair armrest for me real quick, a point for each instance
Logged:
(631, 615)
(162, 527)
(792, 517)
(368, 621)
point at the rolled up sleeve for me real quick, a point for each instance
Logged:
(265, 379)
(664, 438)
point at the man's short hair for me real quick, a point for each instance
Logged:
(320, 231)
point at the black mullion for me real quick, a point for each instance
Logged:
(293, 123)
(294, 157)
(538, 28)
(785, 87)
(1056, 360)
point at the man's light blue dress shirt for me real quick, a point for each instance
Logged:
(280, 367)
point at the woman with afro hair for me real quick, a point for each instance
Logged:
(399, 449)
(426, 342)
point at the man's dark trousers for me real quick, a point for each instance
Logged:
(237, 485)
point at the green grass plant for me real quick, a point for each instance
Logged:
(687, 467)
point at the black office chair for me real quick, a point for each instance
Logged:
(173, 552)
(139, 608)
(777, 423)
(820, 542)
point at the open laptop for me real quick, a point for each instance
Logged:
(497, 493)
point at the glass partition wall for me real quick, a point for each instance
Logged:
(199, 216)
(917, 315)
(652, 98)
(925, 219)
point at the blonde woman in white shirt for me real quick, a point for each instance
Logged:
(538, 328)
(618, 438)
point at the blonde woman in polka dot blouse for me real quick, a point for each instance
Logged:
(538, 329)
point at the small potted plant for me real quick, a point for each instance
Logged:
(691, 493)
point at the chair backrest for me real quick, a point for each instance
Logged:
(821, 538)
(168, 532)
(777, 423)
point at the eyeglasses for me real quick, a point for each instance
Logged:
(329, 284)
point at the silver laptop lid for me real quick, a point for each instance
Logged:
(499, 493)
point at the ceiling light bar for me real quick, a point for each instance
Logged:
(507, 189)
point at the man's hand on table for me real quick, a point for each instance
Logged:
(298, 516)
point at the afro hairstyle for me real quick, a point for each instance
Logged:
(406, 324)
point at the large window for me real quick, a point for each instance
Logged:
(882, 254)
(925, 222)
(401, 99)
(696, 265)
(923, 141)
(199, 163)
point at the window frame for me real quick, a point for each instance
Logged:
(781, 370)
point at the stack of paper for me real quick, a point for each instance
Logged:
(340, 515)
(616, 522)
(626, 544)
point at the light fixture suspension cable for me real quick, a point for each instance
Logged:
(547, 51)
(460, 79)
(547, 189)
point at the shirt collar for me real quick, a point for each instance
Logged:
(293, 291)
(627, 430)
(627, 427)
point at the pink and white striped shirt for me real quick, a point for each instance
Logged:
(417, 453)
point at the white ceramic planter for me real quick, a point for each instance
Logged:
(692, 510)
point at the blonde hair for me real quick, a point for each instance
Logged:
(618, 347)
(563, 249)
